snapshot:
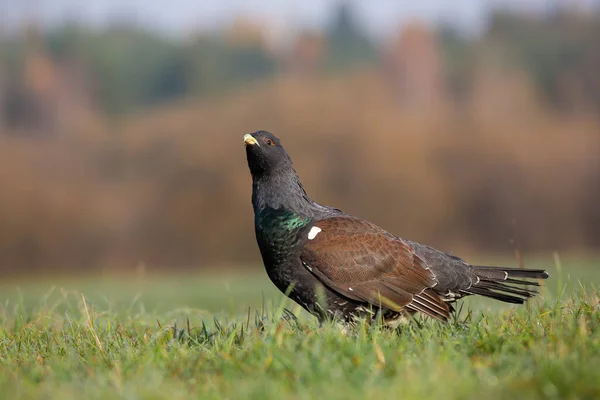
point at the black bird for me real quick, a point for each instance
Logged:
(339, 266)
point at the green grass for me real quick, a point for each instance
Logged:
(233, 337)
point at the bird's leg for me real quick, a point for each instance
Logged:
(397, 320)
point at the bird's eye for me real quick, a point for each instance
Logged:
(269, 142)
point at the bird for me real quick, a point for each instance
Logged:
(339, 266)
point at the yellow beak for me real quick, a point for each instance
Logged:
(249, 140)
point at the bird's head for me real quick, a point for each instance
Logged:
(264, 153)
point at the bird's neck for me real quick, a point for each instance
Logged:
(282, 190)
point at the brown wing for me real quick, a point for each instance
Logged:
(363, 262)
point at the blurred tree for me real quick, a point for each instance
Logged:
(458, 59)
(215, 65)
(347, 45)
(306, 55)
(134, 68)
(414, 69)
(561, 51)
(66, 41)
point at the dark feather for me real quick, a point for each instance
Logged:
(507, 289)
(497, 273)
(495, 295)
(434, 305)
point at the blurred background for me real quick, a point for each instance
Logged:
(471, 125)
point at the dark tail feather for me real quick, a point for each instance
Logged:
(497, 273)
(524, 292)
(498, 283)
(521, 282)
(495, 295)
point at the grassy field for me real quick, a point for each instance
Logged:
(235, 337)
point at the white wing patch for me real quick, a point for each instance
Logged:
(314, 231)
(308, 267)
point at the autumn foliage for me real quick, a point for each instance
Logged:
(168, 186)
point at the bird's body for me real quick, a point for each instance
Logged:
(337, 265)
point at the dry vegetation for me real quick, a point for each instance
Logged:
(170, 186)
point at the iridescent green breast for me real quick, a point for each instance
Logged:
(277, 233)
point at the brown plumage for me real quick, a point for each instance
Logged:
(363, 262)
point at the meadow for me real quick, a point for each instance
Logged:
(232, 335)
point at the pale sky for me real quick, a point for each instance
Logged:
(379, 17)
